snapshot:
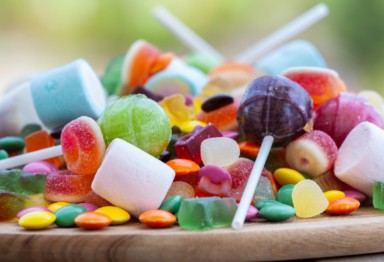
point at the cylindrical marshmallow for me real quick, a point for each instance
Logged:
(132, 179)
(68, 92)
(17, 110)
(359, 162)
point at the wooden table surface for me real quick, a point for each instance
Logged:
(361, 232)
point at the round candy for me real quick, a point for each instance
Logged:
(116, 214)
(65, 216)
(275, 106)
(83, 145)
(37, 220)
(157, 218)
(92, 220)
(139, 121)
(31, 209)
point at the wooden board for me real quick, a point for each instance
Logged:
(326, 236)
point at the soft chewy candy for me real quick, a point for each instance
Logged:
(68, 92)
(221, 151)
(132, 179)
(22, 183)
(358, 163)
(296, 53)
(206, 213)
(139, 121)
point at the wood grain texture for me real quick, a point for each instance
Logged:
(361, 232)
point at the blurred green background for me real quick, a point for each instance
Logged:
(37, 35)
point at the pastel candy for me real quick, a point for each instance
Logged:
(132, 179)
(221, 151)
(65, 93)
(359, 164)
(177, 78)
(39, 167)
(296, 53)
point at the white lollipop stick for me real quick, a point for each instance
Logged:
(286, 32)
(31, 157)
(250, 188)
(181, 31)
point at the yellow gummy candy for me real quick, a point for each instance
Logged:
(308, 199)
(176, 109)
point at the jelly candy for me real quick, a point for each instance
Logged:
(139, 121)
(205, 188)
(83, 145)
(39, 140)
(10, 205)
(22, 183)
(176, 109)
(206, 213)
(182, 188)
(188, 146)
(220, 151)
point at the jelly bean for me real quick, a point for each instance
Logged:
(220, 151)
(172, 204)
(40, 140)
(39, 167)
(12, 143)
(157, 218)
(31, 209)
(355, 194)
(248, 148)
(308, 199)
(188, 126)
(284, 195)
(181, 188)
(266, 202)
(3, 154)
(332, 195)
(215, 102)
(37, 220)
(57, 205)
(117, 215)
(251, 213)
(277, 213)
(65, 216)
(83, 145)
(342, 206)
(92, 220)
(89, 206)
(64, 185)
(287, 176)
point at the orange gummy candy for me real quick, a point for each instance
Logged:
(39, 140)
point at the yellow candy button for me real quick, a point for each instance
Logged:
(117, 214)
(332, 195)
(286, 176)
(37, 220)
(57, 205)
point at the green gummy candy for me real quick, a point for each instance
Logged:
(20, 182)
(206, 213)
(264, 190)
(111, 79)
(139, 121)
(10, 205)
(378, 195)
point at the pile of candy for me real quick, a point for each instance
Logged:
(171, 140)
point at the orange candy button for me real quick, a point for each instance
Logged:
(92, 220)
(157, 218)
(342, 206)
(183, 167)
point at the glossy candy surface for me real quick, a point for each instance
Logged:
(36, 220)
(157, 218)
(92, 220)
(276, 106)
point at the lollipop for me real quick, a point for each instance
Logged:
(273, 111)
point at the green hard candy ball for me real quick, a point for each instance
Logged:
(139, 121)
(65, 216)
(284, 195)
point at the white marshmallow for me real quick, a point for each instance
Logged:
(359, 162)
(132, 179)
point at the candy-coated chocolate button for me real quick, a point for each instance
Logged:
(116, 214)
(37, 220)
(277, 213)
(183, 167)
(92, 220)
(284, 194)
(57, 205)
(31, 209)
(172, 204)
(342, 206)
(332, 195)
(157, 218)
(286, 176)
(65, 216)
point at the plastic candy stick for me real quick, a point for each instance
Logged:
(187, 36)
(31, 157)
(284, 33)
